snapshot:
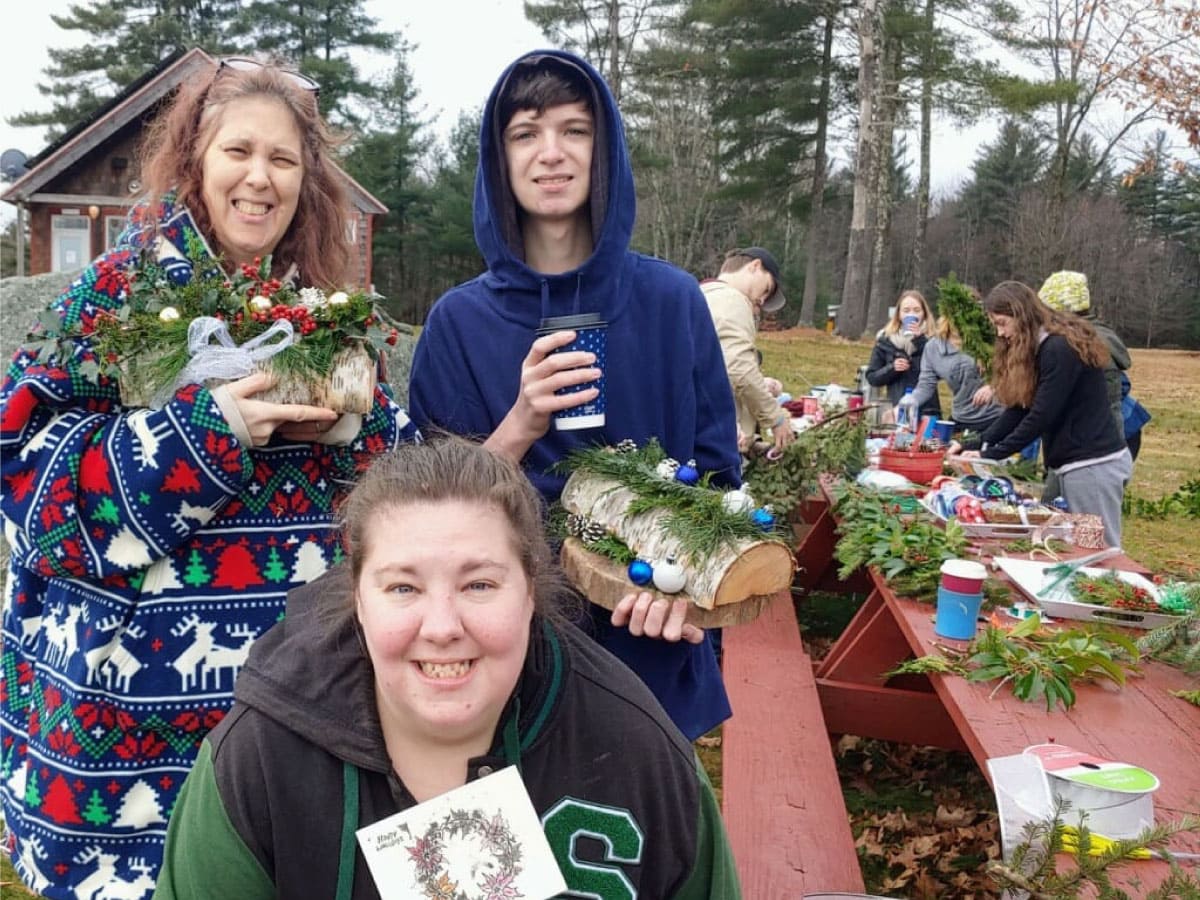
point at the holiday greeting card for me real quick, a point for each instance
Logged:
(482, 841)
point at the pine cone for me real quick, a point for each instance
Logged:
(626, 446)
(592, 532)
(575, 525)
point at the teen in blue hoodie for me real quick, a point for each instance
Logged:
(554, 211)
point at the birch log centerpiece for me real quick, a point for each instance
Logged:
(729, 587)
(348, 386)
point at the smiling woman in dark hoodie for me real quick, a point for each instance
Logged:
(436, 657)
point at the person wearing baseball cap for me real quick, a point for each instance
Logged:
(749, 284)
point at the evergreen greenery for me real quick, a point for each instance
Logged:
(695, 515)
(957, 303)
(836, 447)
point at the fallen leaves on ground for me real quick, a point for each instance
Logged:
(924, 820)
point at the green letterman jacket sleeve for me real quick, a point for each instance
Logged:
(714, 876)
(205, 857)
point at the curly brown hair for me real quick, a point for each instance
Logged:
(172, 153)
(1014, 368)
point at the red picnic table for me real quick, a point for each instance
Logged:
(1140, 724)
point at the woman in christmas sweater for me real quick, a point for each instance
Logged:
(435, 658)
(150, 547)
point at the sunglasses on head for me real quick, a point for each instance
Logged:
(246, 64)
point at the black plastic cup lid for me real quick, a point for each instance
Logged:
(570, 323)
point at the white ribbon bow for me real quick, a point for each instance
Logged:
(225, 360)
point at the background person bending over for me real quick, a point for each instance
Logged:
(748, 285)
(554, 210)
(151, 546)
(436, 657)
(1049, 371)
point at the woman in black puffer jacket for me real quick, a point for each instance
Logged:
(896, 358)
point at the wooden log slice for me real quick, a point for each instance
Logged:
(605, 582)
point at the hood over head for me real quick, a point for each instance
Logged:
(612, 198)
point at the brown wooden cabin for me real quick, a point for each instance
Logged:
(77, 191)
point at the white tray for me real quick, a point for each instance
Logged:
(1029, 576)
(1003, 531)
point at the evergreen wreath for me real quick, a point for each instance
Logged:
(495, 837)
(956, 302)
(148, 334)
(695, 514)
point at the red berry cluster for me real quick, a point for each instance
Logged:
(297, 315)
(261, 287)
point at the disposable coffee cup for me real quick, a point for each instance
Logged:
(943, 430)
(956, 614)
(591, 335)
(964, 576)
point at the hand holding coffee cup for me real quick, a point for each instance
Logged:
(577, 346)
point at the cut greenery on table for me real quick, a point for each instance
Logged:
(908, 550)
(1117, 593)
(836, 446)
(1039, 664)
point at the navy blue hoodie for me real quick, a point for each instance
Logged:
(665, 375)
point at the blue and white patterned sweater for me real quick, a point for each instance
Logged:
(149, 549)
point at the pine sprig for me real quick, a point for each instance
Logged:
(956, 303)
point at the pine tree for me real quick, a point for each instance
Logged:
(385, 161)
(317, 36)
(96, 812)
(33, 797)
(107, 511)
(126, 39)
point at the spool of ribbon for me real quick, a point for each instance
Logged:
(224, 360)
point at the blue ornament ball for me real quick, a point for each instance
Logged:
(688, 473)
(640, 572)
(763, 519)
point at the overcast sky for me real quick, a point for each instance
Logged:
(461, 48)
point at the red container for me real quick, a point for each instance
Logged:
(915, 465)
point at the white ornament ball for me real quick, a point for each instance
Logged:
(260, 304)
(169, 314)
(339, 299)
(669, 576)
(737, 501)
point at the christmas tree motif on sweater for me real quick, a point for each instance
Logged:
(128, 551)
(236, 568)
(96, 811)
(26, 862)
(60, 804)
(16, 781)
(62, 638)
(310, 563)
(139, 807)
(161, 577)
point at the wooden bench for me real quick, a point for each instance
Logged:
(783, 803)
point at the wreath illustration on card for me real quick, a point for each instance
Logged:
(465, 855)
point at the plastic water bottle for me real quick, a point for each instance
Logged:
(907, 412)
